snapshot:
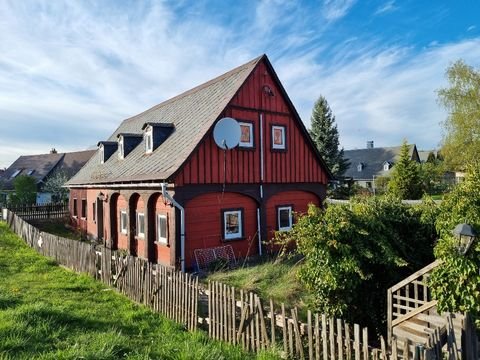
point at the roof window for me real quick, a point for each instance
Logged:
(155, 134)
(15, 173)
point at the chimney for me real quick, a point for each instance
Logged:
(53, 151)
(370, 144)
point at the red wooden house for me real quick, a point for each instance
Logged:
(160, 187)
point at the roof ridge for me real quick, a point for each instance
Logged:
(199, 87)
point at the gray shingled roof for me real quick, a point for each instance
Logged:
(373, 160)
(193, 113)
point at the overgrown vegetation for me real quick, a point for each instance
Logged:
(456, 283)
(405, 181)
(60, 227)
(25, 191)
(47, 312)
(354, 253)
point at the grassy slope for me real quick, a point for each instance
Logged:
(47, 312)
(269, 280)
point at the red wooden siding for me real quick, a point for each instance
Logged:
(299, 201)
(298, 164)
(203, 225)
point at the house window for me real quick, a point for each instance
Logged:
(278, 137)
(30, 172)
(246, 135)
(149, 140)
(75, 210)
(123, 221)
(15, 173)
(232, 224)
(102, 154)
(84, 208)
(284, 218)
(141, 225)
(162, 236)
(386, 166)
(94, 211)
(120, 148)
(368, 184)
(360, 167)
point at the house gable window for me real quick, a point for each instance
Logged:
(123, 221)
(75, 209)
(284, 218)
(121, 148)
(246, 134)
(278, 137)
(162, 234)
(84, 208)
(148, 140)
(360, 167)
(141, 225)
(232, 224)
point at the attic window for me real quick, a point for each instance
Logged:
(121, 148)
(102, 153)
(386, 166)
(30, 172)
(149, 140)
(360, 167)
(14, 175)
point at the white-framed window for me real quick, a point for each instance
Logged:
(149, 140)
(121, 148)
(359, 167)
(232, 224)
(123, 221)
(75, 209)
(15, 173)
(386, 166)
(84, 208)
(246, 134)
(30, 172)
(278, 137)
(101, 149)
(162, 225)
(284, 218)
(140, 224)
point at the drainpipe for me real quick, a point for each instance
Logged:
(166, 195)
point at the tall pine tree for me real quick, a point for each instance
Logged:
(324, 134)
(405, 181)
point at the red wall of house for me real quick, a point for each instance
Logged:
(299, 201)
(203, 225)
(122, 239)
(298, 164)
(78, 194)
(140, 241)
(162, 252)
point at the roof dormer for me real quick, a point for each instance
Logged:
(360, 167)
(155, 134)
(387, 165)
(106, 149)
(126, 143)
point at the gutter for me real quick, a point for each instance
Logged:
(166, 195)
(116, 186)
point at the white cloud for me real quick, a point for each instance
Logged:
(336, 9)
(387, 7)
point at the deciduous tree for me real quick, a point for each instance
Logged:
(25, 190)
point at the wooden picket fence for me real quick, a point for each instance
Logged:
(40, 212)
(228, 314)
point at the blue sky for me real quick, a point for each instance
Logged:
(70, 71)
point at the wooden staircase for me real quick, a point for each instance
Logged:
(414, 323)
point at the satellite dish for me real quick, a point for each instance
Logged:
(226, 133)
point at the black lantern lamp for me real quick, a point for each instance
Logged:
(465, 236)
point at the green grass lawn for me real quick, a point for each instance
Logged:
(277, 281)
(47, 312)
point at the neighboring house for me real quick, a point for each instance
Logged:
(41, 167)
(368, 164)
(160, 187)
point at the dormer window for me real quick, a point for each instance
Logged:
(386, 166)
(360, 167)
(15, 173)
(149, 140)
(101, 149)
(121, 148)
(106, 149)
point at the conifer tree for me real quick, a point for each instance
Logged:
(324, 134)
(405, 181)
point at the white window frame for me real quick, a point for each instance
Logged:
(248, 144)
(15, 173)
(283, 146)
(121, 148)
(142, 215)
(101, 148)
(123, 224)
(160, 239)
(237, 235)
(359, 167)
(290, 217)
(148, 135)
(30, 172)
(386, 166)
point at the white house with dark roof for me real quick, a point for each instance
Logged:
(370, 163)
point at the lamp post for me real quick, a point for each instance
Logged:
(465, 237)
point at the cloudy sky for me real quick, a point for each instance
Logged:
(70, 71)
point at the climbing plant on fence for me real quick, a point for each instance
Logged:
(354, 252)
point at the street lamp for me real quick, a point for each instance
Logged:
(465, 236)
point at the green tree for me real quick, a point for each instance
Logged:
(456, 283)
(461, 142)
(25, 190)
(54, 185)
(324, 134)
(405, 182)
(432, 177)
